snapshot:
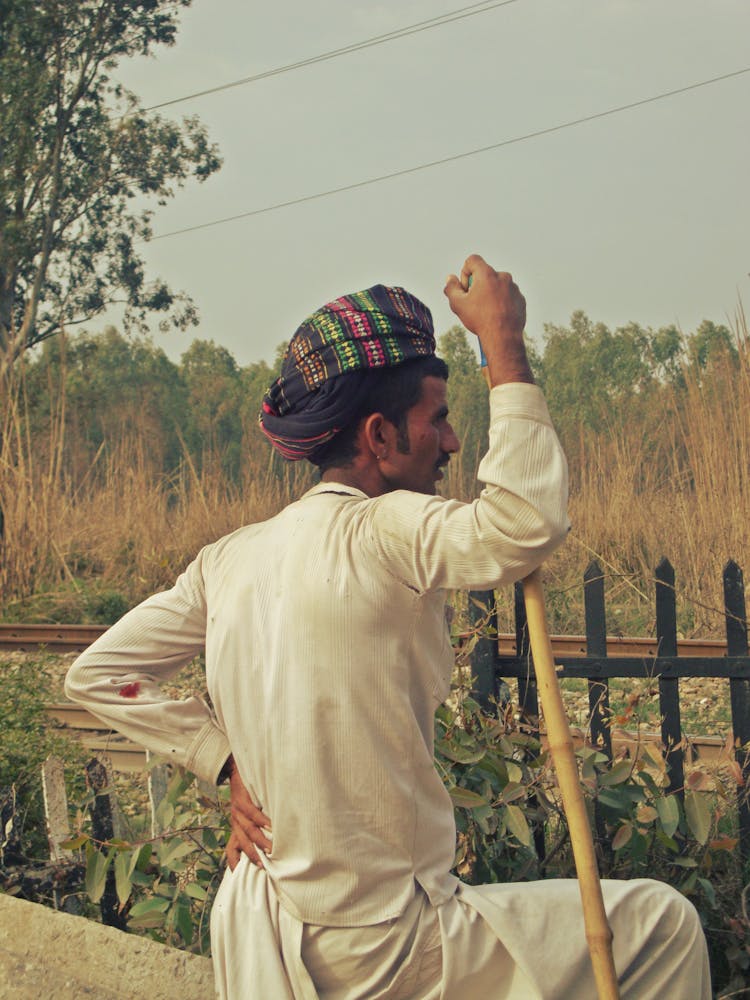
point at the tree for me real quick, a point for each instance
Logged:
(76, 151)
(709, 343)
(102, 390)
(597, 378)
(467, 398)
(212, 426)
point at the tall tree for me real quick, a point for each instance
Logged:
(467, 397)
(76, 153)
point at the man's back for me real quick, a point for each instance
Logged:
(325, 671)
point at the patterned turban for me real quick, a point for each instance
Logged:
(329, 360)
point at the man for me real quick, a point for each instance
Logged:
(326, 656)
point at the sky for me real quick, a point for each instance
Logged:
(637, 216)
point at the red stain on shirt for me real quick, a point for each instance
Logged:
(131, 690)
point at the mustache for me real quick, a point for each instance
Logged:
(443, 460)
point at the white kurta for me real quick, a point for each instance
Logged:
(326, 656)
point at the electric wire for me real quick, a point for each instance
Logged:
(454, 157)
(412, 29)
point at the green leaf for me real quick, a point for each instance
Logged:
(517, 825)
(148, 913)
(485, 818)
(515, 772)
(669, 813)
(617, 774)
(668, 842)
(124, 864)
(709, 891)
(96, 873)
(698, 816)
(494, 766)
(466, 799)
(195, 891)
(683, 862)
(165, 813)
(152, 905)
(615, 799)
(184, 922)
(178, 784)
(141, 878)
(688, 885)
(75, 843)
(143, 859)
(459, 754)
(209, 839)
(513, 791)
(173, 850)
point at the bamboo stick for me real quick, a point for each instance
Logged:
(598, 932)
(560, 741)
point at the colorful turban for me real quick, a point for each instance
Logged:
(328, 361)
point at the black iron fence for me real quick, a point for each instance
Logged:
(490, 668)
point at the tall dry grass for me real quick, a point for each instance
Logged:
(120, 522)
(678, 485)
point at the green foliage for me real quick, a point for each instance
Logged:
(506, 800)
(77, 150)
(595, 378)
(490, 770)
(165, 885)
(469, 412)
(27, 740)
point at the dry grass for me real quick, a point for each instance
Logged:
(678, 487)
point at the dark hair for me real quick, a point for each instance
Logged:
(390, 391)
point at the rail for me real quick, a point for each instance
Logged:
(76, 638)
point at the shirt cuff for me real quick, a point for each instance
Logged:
(208, 752)
(519, 399)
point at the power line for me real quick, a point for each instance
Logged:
(456, 156)
(412, 29)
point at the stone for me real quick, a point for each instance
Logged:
(45, 953)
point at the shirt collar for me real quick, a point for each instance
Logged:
(340, 489)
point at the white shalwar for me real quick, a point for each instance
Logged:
(326, 655)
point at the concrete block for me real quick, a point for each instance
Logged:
(44, 953)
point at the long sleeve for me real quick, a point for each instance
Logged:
(118, 677)
(519, 519)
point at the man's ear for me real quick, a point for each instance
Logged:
(378, 435)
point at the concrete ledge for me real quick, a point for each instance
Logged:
(48, 954)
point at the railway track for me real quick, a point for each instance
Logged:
(54, 638)
(75, 638)
(128, 756)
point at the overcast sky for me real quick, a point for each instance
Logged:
(641, 215)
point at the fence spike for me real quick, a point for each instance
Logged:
(669, 687)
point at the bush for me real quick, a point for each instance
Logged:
(27, 740)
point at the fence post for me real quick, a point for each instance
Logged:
(103, 830)
(669, 691)
(482, 611)
(528, 701)
(158, 780)
(596, 645)
(55, 807)
(739, 691)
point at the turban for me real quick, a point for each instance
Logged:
(329, 361)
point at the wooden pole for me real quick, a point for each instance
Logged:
(598, 932)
